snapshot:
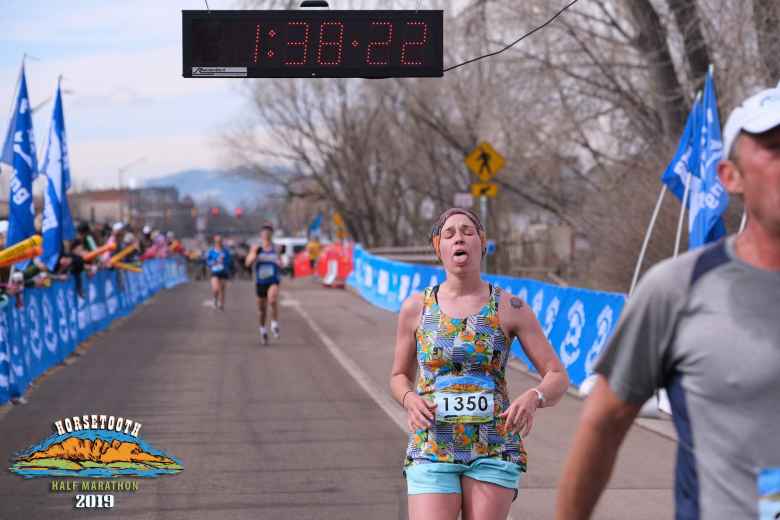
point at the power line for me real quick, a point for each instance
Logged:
(529, 33)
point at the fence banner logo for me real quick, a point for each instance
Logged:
(33, 317)
(570, 347)
(72, 306)
(577, 322)
(63, 326)
(50, 336)
(112, 302)
(5, 362)
(605, 323)
(97, 303)
(92, 453)
(83, 314)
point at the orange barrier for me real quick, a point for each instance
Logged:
(322, 262)
(333, 266)
(26, 254)
(301, 265)
(19, 249)
(99, 251)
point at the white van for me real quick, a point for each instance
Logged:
(290, 246)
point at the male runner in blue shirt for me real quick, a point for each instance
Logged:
(219, 262)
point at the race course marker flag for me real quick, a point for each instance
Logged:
(19, 154)
(57, 222)
(709, 198)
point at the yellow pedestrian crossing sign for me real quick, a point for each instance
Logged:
(337, 220)
(484, 161)
(484, 189)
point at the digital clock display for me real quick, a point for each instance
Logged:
(273, 44)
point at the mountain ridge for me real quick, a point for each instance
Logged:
(228, 187)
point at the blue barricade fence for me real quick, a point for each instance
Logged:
(54, 320)
(577, 322)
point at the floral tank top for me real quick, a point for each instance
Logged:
(467, 348)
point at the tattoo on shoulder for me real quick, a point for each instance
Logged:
(515, 302)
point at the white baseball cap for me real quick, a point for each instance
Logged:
(118, 226)
(756, 115)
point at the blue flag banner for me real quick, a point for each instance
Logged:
(709, 200)
(19, 154)
(316, 225)
(685, 163)
(57, 222)
(577, 322)
(54, 320)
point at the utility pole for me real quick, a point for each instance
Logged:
(483, 216)
(484, 162)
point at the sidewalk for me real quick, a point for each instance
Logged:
(363, 337)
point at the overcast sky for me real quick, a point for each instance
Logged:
(122, 62)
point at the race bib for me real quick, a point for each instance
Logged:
(769, 494)
(464, 399)
(471, 407)
(217, 268)
(265, 271)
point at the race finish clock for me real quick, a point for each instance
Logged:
(320, 44)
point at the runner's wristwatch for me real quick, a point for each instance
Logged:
(542, 398)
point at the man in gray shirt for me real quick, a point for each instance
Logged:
(705, 326)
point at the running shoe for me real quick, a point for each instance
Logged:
(275, 330)
(264, 338)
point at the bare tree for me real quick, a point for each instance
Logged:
(766, 14)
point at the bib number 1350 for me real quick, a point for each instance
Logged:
(470, 403)
(466, 407)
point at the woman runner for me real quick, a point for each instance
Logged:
(465, 454)
(266, 264)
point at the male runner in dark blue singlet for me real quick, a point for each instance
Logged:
(265, 262)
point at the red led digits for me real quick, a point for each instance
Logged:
(338, 44)
(257, 45)
(369, 59)
(299, 43)
(417, 43)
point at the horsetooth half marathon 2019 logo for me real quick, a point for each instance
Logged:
(99, 453)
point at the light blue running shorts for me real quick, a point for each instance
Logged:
(444, 477)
